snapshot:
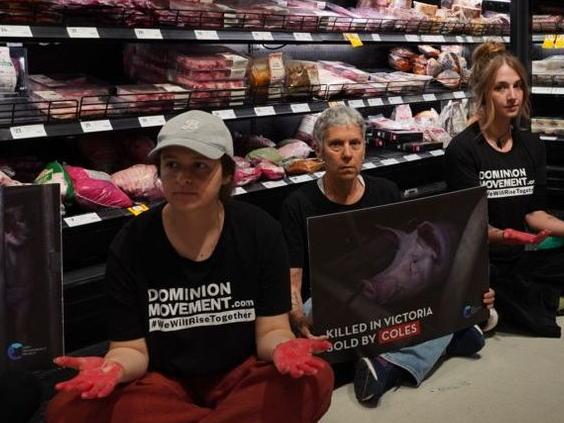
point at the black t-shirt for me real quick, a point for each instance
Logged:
(309, 201)
(515, 181)
(198, 318)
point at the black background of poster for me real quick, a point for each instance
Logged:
(346, 248)
(30, 277)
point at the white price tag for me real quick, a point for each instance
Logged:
(506, 39)
(437, 153)
(374, 102)
(389, 162)
(201, 34)
(433, 38)
(28, 131)
(82, 32)
(412, 38)
(300, 178)
(356, 103)
(557, 90)
(225, 114)
(429, 97)
(412, 157)
(96, 126)
(471, 39)
(376, 37)
(148, 121)
(262, 36)
(15, 31)
(239, 191)
(265, 111)
(395, 100)
(542, 90)
(368, 165)
(459, 39)
(459, 94)
(82, 219)
(274, 184)
(318, 175)
(148, 34)
(302, 36)
(300, 108)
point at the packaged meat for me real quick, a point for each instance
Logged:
(302, 77)
(428, 9)
(429, 51)
(55, 173)
(420, 64)
(433, 67)
(402, 52)
(301, 166)
(305, 130)
(399, 63)
(148, 98)
(402, 112)
(243, 144)
(241, 162)
(295, 149)
(246, 175)
(449, 79)
(95, 190)
(270, 171)
(13, 71)
(345, 70)
(139, 181)
(265, 153)
(450, 61)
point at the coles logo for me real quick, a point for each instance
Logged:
(15, 351)
(398, 332)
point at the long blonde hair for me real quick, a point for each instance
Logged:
(487, 59)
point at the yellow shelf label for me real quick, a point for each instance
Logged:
(353, 38)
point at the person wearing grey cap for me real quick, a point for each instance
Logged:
(198, 295)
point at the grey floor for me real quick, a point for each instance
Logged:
(516, 379)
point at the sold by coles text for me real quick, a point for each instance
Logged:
(382, 331)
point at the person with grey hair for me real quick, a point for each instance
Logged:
(340, 142)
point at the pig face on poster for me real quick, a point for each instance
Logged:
(421, 260)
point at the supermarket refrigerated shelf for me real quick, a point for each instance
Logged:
(381, 158)
(52, 128)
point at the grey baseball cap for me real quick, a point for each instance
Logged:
(199, 131)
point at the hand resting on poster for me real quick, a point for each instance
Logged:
(295, 357)
(97, 377)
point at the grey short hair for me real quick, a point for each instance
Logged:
(337, 116)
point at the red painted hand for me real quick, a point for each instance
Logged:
(96, 377)
(511, 236)
(296, 356)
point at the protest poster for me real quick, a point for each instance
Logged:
(387, 277)
(31, 324)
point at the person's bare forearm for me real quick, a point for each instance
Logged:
(540, 220)
(134, 362)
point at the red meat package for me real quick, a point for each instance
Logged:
(139, 181)
(95, 190)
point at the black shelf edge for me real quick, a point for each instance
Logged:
(382, 158)
(37, 32)
(57, 129)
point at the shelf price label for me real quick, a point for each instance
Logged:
(437, 153)
(353, 38)
(262, 36)
(274, 184)
(319, 174)
(82, 32)
(239, 191)
(395, 100)
(300, 108)
(368, 165)
(82, 219)
(302, 36)
(15, 31)
(549, 40)
(389, 162)
(412, 157)
(201, 34)
(376, 37)
(412, 38)
(300, 178)
(374, 102)
(138, 209)
(96, 126)
(265, 111)
(148, 34)
(225, 114)
(429, 97)
(149, 121)
(356, 103)
(459, 94)
(28, 131)
(433, 38)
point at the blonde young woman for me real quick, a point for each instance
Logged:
(495, 152)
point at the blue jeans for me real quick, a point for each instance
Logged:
(417, 359)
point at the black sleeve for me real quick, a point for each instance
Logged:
(538, 202)
(124, 318)
(293, 225)
(460, 169)
(274, 284)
